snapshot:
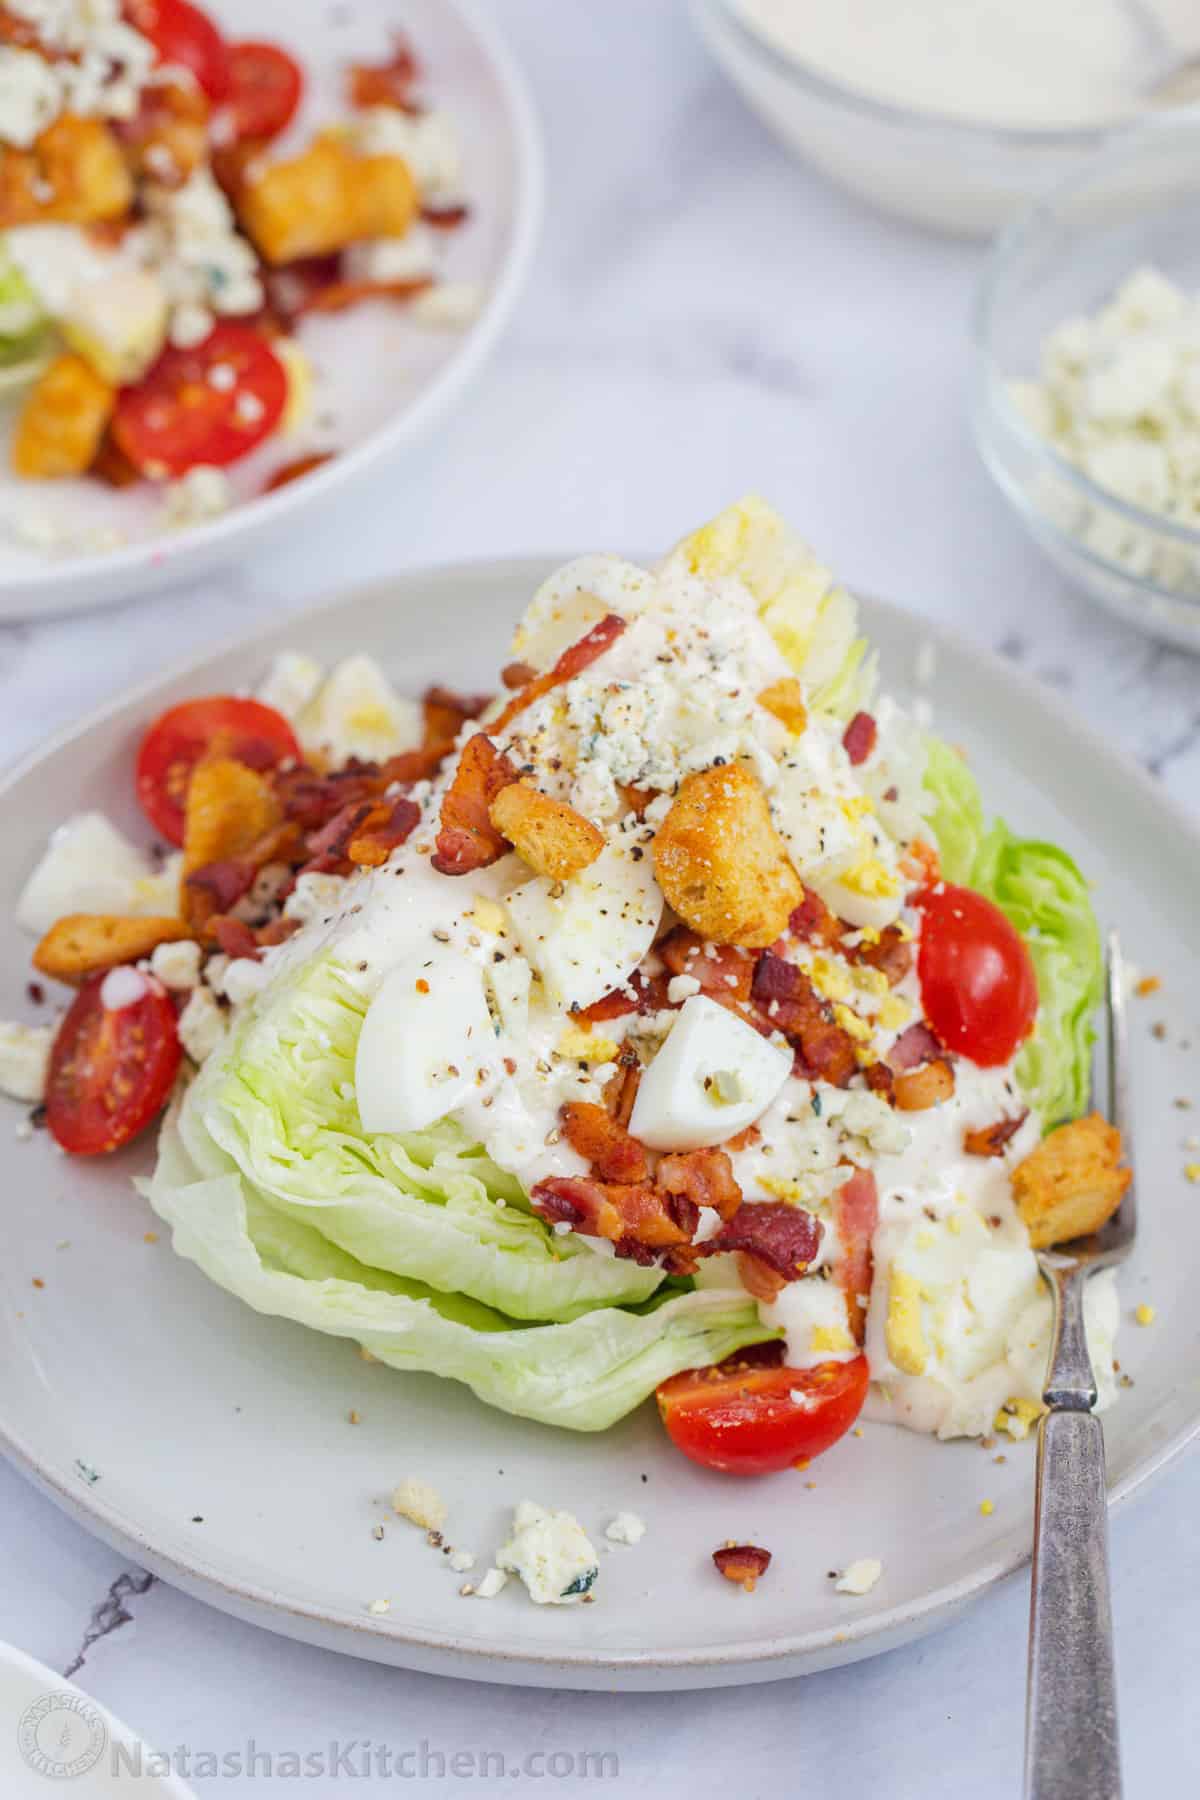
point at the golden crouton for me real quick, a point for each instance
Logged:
(552, 837)
(82, 944)
(916, 1090)
(229, 810)
(1072, 1184)
(721, 863)
(324, 200)
(65, 415)
(75, 174)
(785, 699)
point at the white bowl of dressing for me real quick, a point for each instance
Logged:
(952, 113)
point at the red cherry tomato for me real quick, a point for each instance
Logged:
(110, 1071)
(212, 404)
(222, 725)
(187, 37)
(747, 1417)
(978, 985)
(265, 85)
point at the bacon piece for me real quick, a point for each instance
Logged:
(312, 800)
(745, 1564)
(855, 1217)
(384, 829)
(388, 83)
(784, 1238)
(892, 955)
(787, 1000)
(224, 882)
(881, 1080)
(339, 296)
(813, 922)
(632, 1216)
(573, 661)
(294, 470)
(913, 1047)
(327, 847)
(723, 970)
(234, 937)
(648, 995)
(989, 1140)
(703, 1178)
(467, 839)
(601, 1141)
(859, 737)
(292, 286)
(620, 1095)
(446, 218)
(410, 766)
(446, 713)
(111, 465)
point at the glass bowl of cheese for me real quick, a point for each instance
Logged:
(1085, 384)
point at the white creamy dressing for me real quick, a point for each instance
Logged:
(1000, 62)
(684, 675)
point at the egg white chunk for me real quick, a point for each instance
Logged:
(587, 935)
(426, 1035)
(356, 712)
(89, 866)
(714, 1076)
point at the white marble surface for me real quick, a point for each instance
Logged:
(705, 317)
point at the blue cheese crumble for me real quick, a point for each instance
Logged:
(551, 1553)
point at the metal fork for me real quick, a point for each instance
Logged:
(1071, 1742)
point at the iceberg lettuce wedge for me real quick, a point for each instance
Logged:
(277, 1103)
(584, 1374)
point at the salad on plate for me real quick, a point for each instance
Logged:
(170, 218)
(671, 1021)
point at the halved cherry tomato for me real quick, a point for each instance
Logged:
(211, 404)
(265, 85)
(111, 1070)
(185, 36)
(221, 725)
(978, 985)
(749, 1416)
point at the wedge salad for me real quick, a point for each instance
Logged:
(671, 1021)
(170, 221)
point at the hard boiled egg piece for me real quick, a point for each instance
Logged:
(426, 1035)
(714, 1076)
(356, 712)
(587, 935)
(91, 867)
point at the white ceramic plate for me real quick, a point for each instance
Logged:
(221, 1441)
(50, 1730)
(383, 380)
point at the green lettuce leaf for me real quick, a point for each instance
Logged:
(1041, 890)
(24, 327)
(584, 1374)
(956, 815)
(277, 1104)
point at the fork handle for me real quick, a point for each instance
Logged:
(1071, 1744)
